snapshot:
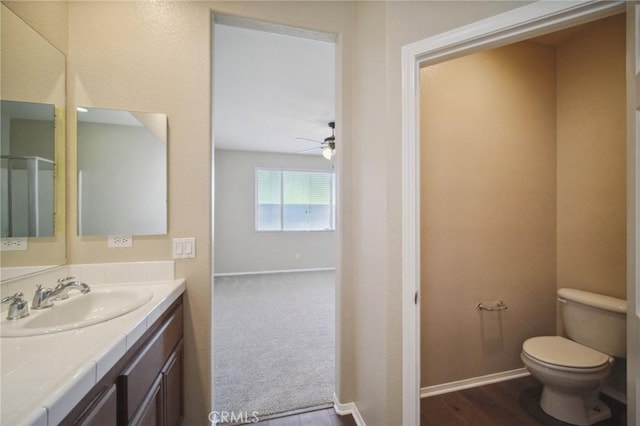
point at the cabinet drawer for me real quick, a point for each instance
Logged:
(137, 379)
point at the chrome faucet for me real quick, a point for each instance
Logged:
(44, 297)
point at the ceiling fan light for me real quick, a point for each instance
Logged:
(327, 152)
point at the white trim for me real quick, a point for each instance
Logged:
(282, 271)
(525, 22)
(346, 409)
(473, 382)
(615, 394)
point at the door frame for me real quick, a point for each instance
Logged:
(516, 25)
(263, 25)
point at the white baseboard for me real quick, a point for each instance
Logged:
(473, 382)
(283, 271)
(348, 408)
(615, 394)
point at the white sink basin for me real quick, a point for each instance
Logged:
(80, 310)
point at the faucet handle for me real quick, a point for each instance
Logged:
(18, 307)
(65, 279)
(12, 298)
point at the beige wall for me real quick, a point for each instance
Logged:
(375, 245)
(488, 209)
(154, 57)
(592, 159)
(48, 18)
(157, 57)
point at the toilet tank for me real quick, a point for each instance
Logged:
(595, 320)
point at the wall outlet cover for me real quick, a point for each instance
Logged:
(14, 244)
(120, 241)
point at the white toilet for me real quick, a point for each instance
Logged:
(574, 369)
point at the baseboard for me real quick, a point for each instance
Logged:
(473, 382)
(615, 394)
(282, 271)
(348, 408)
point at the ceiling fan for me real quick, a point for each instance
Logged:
(328, 146)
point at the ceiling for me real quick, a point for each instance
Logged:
(271, 88)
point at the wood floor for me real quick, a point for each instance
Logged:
(324, 417)
(509, 403)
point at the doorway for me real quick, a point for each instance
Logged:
(525, 22)
(526, 197)
(275, 216)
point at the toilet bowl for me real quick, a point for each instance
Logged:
(574, 369)
(573, 376)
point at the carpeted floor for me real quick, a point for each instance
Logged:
(274, 341)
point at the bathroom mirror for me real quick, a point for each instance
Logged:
(122, 172)
(27, 163)
(32, 143)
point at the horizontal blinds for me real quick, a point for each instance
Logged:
(269, 200)
(292, 200)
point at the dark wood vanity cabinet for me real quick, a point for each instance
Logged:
(146, 386)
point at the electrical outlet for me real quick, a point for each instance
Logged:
(184, 248)
(14, 244)
(120, 241)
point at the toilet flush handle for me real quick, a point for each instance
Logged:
(561, 300)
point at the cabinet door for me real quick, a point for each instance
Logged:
(104, 411)
(172, 387)
(150, 411)
(136, 380)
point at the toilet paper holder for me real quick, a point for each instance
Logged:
(497, 305)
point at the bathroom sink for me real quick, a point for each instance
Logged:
(80, 310)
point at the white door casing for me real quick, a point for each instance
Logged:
(519, 24)
(633, 213)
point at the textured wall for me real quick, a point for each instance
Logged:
(49, 19)
(381, 29)
(156, 56)
(592, 159)
(488, 209)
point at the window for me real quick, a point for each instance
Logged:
(295, 200)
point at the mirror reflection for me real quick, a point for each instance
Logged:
(122, 172)
(32, 141)
(27, 169)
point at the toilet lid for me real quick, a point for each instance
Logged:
(559, 351)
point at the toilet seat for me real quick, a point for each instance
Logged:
(562, 352)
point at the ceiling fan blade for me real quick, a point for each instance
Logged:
(310, 140)
(310, 149)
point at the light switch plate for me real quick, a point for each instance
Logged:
(120, 241)
(184, 248)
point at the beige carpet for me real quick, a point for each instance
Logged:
(274, 341)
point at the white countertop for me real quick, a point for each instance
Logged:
(44, 377)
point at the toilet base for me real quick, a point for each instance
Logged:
(575, 409)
